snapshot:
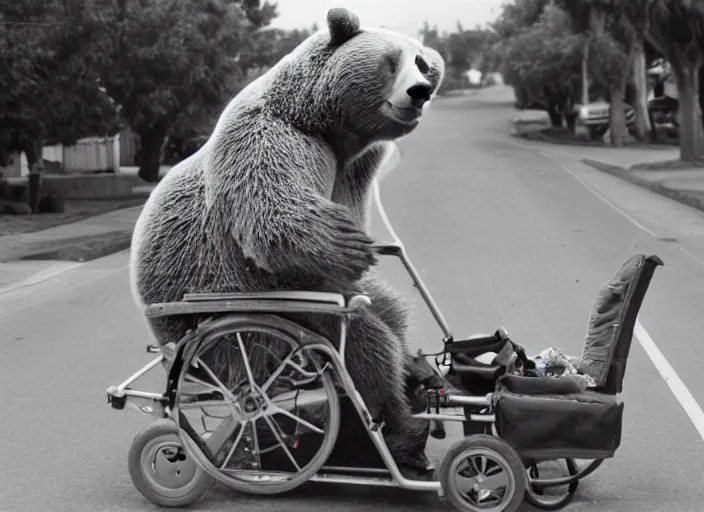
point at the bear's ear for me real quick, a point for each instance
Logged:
(343, 25)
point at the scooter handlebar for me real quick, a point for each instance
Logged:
(388, 248)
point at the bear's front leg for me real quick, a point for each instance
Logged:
(387, 304)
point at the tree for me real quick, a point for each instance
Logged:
(610, 66)
(603, 57)
(544, 60)
(432, 38)
(170, 58)
(50, 92)
(676, 29)
(189, 130)
(461, 50)
(615, 53)
(518, 16)
(268, 46)
(637, 14)
(465, 48)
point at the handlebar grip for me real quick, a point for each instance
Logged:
(387, 249)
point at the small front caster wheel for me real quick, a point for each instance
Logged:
(161, 471)
(538, 497)
(483, 473)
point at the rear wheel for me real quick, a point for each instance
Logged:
(258, 409)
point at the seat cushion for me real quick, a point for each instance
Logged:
(584, 425)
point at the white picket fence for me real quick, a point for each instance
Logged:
(93, 154)
(89, 154)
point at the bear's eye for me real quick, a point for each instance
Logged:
(422, 65)
(392, 61)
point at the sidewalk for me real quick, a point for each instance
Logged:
(30, 258)
(655, 171)
(651, 167)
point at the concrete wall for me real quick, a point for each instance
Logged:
(92, 186)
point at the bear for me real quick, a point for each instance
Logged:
(278, 199)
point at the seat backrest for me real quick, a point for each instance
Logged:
(611, 323)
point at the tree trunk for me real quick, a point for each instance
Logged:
(555, 114)
(585, 73)
(701, 93)
(690, 117)
(643, 126)
(33, 151)
(151, 142)
(597, 19)
(617, 117)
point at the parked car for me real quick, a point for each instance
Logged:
(595, 117)
(663, 103)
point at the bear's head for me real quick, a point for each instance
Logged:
(356, 85)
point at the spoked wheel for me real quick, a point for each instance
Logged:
(258, 410)
(160, 469)
(483, 473)
(551, 498)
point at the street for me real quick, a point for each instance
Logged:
(503, 233)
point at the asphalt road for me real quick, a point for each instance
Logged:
(503, 235)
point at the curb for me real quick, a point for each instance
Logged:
(624, 174)
(86, 248)
(540, 136)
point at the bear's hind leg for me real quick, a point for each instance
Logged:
(377, 365)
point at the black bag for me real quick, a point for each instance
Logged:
(581, 425)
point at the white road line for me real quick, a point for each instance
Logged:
(601, 197)
(678, 388)
(61, 292)
(613, 205)
(691, 255)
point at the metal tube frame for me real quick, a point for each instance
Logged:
(396, 248)
(123, 392)
(391, 477)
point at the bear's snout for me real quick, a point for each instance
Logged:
(419, 93)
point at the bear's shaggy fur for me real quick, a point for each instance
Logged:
(278, 197)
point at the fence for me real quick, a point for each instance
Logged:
(90, 154)
(93, 154)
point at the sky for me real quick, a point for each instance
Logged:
(406, 16)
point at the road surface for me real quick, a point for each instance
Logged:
(503, 235)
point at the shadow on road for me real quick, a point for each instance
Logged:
(315, 497)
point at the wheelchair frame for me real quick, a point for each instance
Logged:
(271, 303)
(264, 307)
(258, 303)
